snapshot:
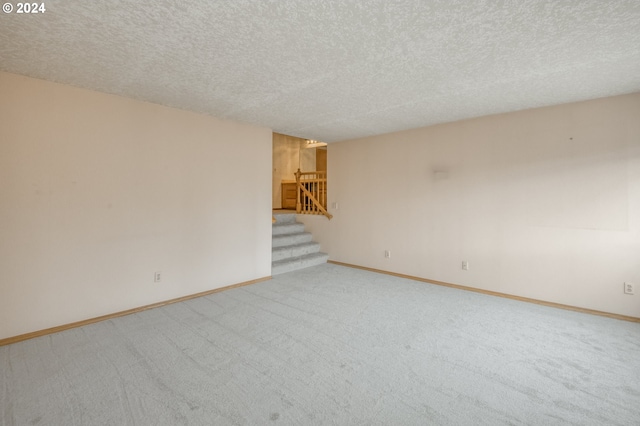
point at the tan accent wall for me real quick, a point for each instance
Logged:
(98, 192)
(542, 203)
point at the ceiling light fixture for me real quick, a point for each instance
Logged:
(314, 144)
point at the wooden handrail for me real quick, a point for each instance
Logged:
(311, 193)
(316, 203)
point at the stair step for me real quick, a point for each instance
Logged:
(285, 217)
(292, 247)
(298, 262)
(282, 228)
(295, 250)
(290, 239)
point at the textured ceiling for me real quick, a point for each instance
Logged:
(333, 69)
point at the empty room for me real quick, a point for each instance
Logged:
(320, 212)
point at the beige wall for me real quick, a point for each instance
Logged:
(97, 192)
(542, 203)
(289, 155)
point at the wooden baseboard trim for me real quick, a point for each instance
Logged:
(27, 336)
(495, 293)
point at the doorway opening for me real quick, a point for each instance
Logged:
(299, 174)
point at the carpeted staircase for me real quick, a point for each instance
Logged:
(292, 247)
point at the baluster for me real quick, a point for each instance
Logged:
(298, 207)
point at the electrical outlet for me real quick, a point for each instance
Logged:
(465, 265)
(387, 254)
(157, 277)
(334, 206)
(629, 288)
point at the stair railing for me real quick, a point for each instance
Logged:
(312, 193)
